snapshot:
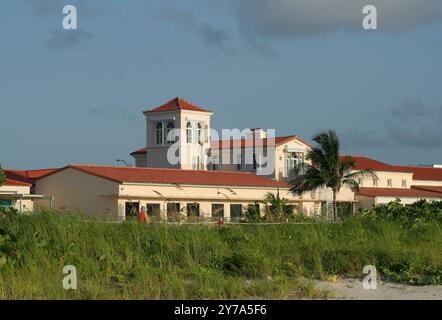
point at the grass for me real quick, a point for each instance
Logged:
(161, 261)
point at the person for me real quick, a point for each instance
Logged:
(142, 216)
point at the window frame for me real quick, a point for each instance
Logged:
(159, 133)
(189, 132)
(170, 127)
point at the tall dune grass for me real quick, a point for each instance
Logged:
(162, 261)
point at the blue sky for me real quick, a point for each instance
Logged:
(296, 66)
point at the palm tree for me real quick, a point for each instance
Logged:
(2, 176)
(329, 169)
(276, 206)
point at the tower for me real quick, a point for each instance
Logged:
(178, 135)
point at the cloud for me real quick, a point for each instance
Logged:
(415, 124)
(364, 138)
(112, 112)
(208, 34)
(262, 20)
(67, 39)
(411, 124)
(55, 7)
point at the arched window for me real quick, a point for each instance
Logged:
(199, 133)
(189, 132)
(169, 132)
(159, 133)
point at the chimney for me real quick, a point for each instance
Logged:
(258, 133)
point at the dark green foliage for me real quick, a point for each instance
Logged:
(2, 176)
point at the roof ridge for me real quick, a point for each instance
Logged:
(156, 168)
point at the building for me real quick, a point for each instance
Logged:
(187, 170)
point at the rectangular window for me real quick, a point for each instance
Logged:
(375, 182)
(173, 211)
(153, 209)
(5, 203)
(235, 212)
(132, 209)
(238, 162)
(293, 160)
(404, 183)
(193, 210)
(196, 165)
(389, 183)
(360, 181)
(217, 210)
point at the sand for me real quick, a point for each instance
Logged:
(352, 289)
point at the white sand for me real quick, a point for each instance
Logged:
(348, 288)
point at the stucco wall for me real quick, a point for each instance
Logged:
(75, 190)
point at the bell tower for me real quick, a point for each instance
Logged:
(178, 135)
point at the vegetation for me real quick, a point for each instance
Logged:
(163, 261)
(329, 169)
(2, 176)
(277, 208)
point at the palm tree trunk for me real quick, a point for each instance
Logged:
(335, 206)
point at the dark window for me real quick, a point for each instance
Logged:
(217, 210)
(159, 133)
(169, 132)
(153, 209)
(235, 212)
(193, 209)
(132, 209)
(5, 203)
(173, 211)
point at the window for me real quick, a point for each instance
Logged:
(360, 180)
(159, 133)
(153, 209)
(375, 182)
(214, 163)
(169, 132)
(235, 212)
(293, 160)
(4, 203)
(217, 210)
(389, 183)
(132, 209)
(189, 132)
(404, 183)
(238, 162)
(200, 133)
(173, 208)
(193, 210)
(196, 165)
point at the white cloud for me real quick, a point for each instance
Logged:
(292, 18)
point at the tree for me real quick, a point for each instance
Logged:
(2, 176)
(276, 206)
(328, 169)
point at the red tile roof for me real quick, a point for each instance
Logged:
(177, 103)
(429, 188)
(396, 192)
(139, 151)
(10, 182)
(27, 176)
(222, 144)
(215, 144)
(176, 176)
(423, 173)
(419, 173)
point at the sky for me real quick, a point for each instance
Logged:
(297, 66)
